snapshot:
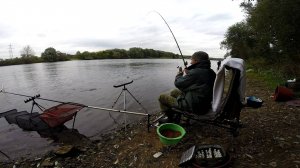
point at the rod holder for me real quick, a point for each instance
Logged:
(32, 98)
(124, 84)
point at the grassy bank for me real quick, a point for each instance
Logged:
(269, 78)
(271, 74)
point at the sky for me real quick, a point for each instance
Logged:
(95, 25)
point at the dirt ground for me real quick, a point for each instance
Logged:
(270, 138)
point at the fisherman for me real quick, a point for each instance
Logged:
(194, 89)
(219, 64)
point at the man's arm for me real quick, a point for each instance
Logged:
(184, 81)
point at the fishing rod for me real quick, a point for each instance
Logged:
(5, 155)
(184, 62)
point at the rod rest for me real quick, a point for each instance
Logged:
(116, 86)
(32, 98)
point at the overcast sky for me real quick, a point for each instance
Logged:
(94, 25)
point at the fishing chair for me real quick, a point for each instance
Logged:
(227, 104)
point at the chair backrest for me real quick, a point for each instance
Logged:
(236, 65)
(231, 104)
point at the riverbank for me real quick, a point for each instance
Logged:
(271, 138)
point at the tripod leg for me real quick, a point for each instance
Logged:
(117, 99)
(74, 121)
(40, 107)
(137, 101)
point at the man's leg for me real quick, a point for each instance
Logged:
(175, 93)
(166, 103)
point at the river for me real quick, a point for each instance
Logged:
(88, 82)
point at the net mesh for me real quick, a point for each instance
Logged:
(60, 114)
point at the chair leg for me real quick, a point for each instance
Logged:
(234, 133)
(177, 118)
(231, 147)
(188, 121)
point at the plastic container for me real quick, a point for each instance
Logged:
(293, 85)
(283, 94)
(205, 156)
(211, 156)
(170, 133)
(253, 101)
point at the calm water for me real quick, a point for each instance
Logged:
(87, 82)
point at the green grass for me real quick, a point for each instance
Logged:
(271, 74)
(271, 78)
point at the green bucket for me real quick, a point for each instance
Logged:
(170, 133)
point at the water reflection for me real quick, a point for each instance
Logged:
(140, 64)
(30, 74)
(51, 70)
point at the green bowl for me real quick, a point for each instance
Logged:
(170, 133)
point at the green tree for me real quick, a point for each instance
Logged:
(239, 40)
(78, 53)
(270, 34)
(277, 23)
(85, 55)
(135, 52)
(62, 56)
(49, 55)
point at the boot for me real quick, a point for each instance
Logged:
(167, 118)
(164, 119)
(170, 117)
(176, 118)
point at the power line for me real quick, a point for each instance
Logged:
(10, 50)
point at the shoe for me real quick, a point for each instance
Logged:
(168, 119)
(164, 119)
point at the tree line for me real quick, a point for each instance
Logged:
(52, 55)
(269, 37)
(134, 52)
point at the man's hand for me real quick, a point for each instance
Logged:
(185, 71)
(180, 69)
(180, 72)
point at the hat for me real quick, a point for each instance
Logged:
(200, 55)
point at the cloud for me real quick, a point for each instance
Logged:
(218, 17)
(6, 31)
(41, 35)
(98, 43)
(98, 25)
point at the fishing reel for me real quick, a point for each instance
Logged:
(185, 65)
(32, 98)
(179, 69)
